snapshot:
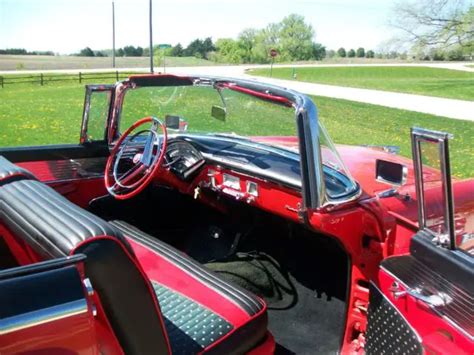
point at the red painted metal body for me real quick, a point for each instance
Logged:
(71, 335)
(369, 229)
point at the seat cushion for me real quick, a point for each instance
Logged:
(201, 311)
(10, 172)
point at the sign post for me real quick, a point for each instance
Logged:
(273, 54)
(151, 37)
(164, 46)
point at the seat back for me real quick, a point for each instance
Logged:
(10, 172)
(54, 227)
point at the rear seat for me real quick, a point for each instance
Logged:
(54, 227)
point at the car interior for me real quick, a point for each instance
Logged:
(246, 269)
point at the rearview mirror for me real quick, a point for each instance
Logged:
(176, 123)
(390, 173)
(218, 112)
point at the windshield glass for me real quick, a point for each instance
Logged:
(229, 110)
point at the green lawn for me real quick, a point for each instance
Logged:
(448, 83)
(35, 115)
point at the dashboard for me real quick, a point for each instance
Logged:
(186, 154)
(264, 176)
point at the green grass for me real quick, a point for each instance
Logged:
(448, 83)
(35, 115)
(356, 123)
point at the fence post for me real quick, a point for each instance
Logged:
(41, 79)
(116, 75)
(80, 77)
(1, 81)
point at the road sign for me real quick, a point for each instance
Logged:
(273, 53)
(164, 46)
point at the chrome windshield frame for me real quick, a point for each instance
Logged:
(306, 114)
(90, 89)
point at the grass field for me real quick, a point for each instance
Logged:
(38, 62)
(448, 83)
(35, 115)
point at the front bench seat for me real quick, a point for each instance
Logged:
(10, 172)
(54, 227)
(222, 300)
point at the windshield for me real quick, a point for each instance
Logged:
(229, 110)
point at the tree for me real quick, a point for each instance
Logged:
(207, 47)
(177, 50)
(436, 23)
(229, 51)
(119, 52)
(351, 53)
(370, 54)
(247, 40)
(86, 52)
(194, 49)
(360, 52)
(100, 54)
(341, 52)
(319, 51)
(455, 54)
(265, 40)
(331, 53)
(296, 38)
(131, 51)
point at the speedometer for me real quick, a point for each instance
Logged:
(183, 159)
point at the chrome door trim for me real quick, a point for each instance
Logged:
(433, 308)
(42, 316)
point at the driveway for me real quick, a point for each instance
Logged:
(452, 108)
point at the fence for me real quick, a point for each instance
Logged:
(43, 79)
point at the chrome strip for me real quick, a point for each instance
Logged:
(42, 316)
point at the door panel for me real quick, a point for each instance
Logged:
(56, 152)
(432, 289)
(75, 171)
(43, 308)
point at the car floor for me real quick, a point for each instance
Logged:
(301, 275)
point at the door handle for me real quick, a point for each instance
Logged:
(433, 300)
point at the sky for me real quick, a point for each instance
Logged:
(66, 26)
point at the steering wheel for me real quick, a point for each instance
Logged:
(125, 185)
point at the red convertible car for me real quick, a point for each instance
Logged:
(213, 215)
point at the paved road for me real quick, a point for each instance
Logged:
(457, 109)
